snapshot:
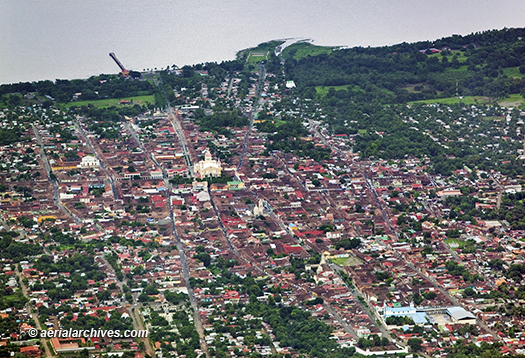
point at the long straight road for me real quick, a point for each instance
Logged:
(185, 270)
(230, 85)
(52, 180)
(95, 153)
(359, 300)
(135, 136)
(186, 274)
(175, 123)
(134, 313)
(314, 128)
(141, 146)
(342, 322)
(327, 306)
(260, 83)
(303, 184)
(33, 314)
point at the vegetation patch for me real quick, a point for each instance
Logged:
(300, 50)
(104, 103)
(463, 68)
(261, 48)
(11, 298)
(11, 135)
(455, 100)
(347, 261)
(455, 244)
(513, 72)
(513, 100)
(451, 56)
(323, 90)
(278, 122)
(255, 57)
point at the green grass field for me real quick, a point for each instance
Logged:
(323, 90)
(513, 72)
(267, 46)
(347, 261)
(11, 298)
(460, 69)
(460, 56)
(453, 100)
(263, 47)
(514, 100)
(384, 90)
(104, 103)
(278, 122)
(411, 87)
(493, 118)
(303, 49)
(256, 58)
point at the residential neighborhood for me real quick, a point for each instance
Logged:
(234, 221)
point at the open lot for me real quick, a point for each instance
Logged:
(347, 261)
(453, 100)
(103, 103)
(257, 56)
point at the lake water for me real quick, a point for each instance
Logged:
(65, 39)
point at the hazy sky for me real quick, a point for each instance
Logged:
(72, 38)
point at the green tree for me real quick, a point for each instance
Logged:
(415, 344)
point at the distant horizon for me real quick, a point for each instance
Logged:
(299, 39)
(72, 39)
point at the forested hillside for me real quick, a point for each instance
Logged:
(481, 63)
(95, 87)
(372, 95)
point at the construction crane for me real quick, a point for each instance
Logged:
(125, 72)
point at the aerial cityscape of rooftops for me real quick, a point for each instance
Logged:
(297, 201)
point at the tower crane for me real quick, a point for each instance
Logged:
(124, 72)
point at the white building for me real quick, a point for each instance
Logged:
(461, 315)
(89, 161)
(208, 167)
(258, 210)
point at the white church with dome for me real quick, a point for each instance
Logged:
(208, 167)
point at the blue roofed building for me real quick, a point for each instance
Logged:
(419, 317)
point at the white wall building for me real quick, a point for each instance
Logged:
(208, 167)
(89, 161)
